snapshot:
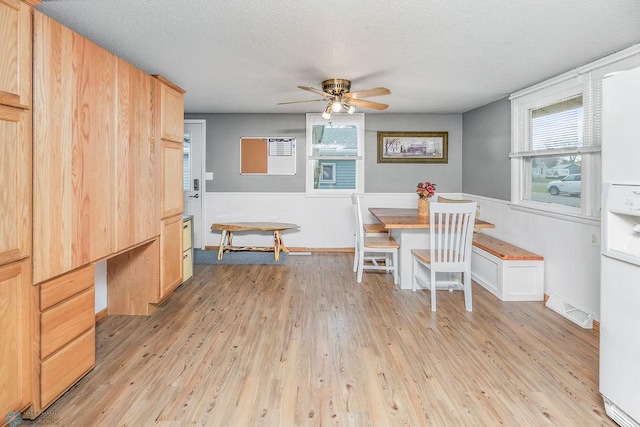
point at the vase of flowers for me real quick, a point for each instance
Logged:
(425, 190)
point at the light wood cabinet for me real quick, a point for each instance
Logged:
(73, 153)
(15, 314)
(171, 111)
(187, 248)
(137, 153)
(15, 184)
(16, 293)
(67, 333)
(15, 51)
(170, 254)
(172, 191)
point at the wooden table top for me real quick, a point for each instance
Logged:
(250, 226)
(409, 218)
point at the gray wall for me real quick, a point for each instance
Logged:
(486, 168)
(223, 152)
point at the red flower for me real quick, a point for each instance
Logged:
(426, 189)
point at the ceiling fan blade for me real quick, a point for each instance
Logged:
(368, 104)
(316, 91)
(359, 94)
(298, 102)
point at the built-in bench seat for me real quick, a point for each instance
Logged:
(506, 270)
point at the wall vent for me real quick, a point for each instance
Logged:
(572, 313)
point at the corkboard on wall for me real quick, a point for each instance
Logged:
(253, 155)
(268, 155)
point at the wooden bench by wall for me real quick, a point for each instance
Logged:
(506, 270)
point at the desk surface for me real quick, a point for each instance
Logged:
(409, 218)
(251, 226)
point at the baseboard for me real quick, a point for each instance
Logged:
(300, 249)
(101, 314)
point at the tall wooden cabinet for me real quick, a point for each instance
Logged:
(171, 109)
(73, 146)
(16, 292)
(90, 169)
(137, 158)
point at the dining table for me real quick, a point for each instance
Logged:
(411, 231)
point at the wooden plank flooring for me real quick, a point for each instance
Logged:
(305, 345)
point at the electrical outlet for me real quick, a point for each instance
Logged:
(595, 239)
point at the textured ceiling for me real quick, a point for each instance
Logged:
(436, 56)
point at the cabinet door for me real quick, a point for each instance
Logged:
(15, 184)
(74, 139)
(170, 254)
(15, 336)
(171, 112)
(172, 192)
(15, 51)
(137, 187)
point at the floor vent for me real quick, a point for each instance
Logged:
(572, 313)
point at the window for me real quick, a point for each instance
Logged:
(335, 154)
(186, 162)
(328, 174)
(556, 139)
(551, 147)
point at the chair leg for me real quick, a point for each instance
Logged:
(360, 267)
(355, 260)
(414, 271)
(468, 301)
(433, 289)
(394, 257)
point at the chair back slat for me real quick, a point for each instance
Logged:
(451, 231)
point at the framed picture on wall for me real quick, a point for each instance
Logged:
(413, 147)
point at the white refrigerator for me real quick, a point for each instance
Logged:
(620, 260)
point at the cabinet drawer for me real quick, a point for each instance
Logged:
(62, 323)
(186, 234)
(67, 366)
(57, 290)
(187, 265)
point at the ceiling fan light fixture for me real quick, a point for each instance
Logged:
(327, 112)
(336, 105)
(350, 109)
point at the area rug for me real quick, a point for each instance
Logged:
(238, 257)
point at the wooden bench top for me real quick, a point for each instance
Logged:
(253, 226)
(502, 249)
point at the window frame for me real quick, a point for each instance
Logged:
(562, 88)
(313, 119)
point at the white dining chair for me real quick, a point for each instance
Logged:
(370, 250)
(450, 239)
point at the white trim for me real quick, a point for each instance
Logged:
(566, 215)
(335, 158)
(555, 152)
(203, 171)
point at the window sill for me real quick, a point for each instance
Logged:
(557, 214)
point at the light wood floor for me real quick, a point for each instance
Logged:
(303, 344)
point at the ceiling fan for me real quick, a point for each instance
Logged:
(336, 92)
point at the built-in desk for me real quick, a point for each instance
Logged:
(411, 232)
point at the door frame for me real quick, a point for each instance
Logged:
(202, 177)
